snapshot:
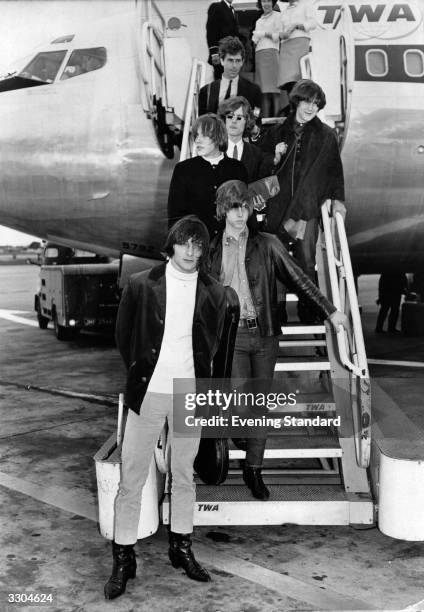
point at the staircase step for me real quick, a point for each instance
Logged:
(301, 365)
(287, 453)
(285, 476)
(311, 408)
(292, 330)
(299, 343)
(296, 504)
(297, 446)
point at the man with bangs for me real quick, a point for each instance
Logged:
(194, 181)
(251, 262)
(173, 323)
(309, 173)
(239, 121)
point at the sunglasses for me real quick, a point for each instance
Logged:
(231, 116)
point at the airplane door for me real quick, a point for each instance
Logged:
(331, 64)
(347, 71)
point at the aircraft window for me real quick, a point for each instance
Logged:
(413, 61)
(376, 62)
(51, 252)
(84, 60)
(63, 39)
(44, 66)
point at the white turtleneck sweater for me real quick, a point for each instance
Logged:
(176, 354)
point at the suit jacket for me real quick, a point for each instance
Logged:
(141, 321)
(266, 260)
(257, 163)
(221, 22)
(193, 187)
(209, 95)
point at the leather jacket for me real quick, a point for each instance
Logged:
(141, 321)
(266, 260)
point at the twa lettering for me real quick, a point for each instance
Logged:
(208, 507)
(372, 14)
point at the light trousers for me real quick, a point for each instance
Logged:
(140, 439)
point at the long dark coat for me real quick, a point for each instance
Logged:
(319, 175)
(193, 187)
(141, 321)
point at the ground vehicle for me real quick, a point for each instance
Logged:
(78, 290)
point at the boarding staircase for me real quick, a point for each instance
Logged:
(165, 65)
(316, 475)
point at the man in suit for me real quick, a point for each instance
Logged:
(232, 54)
(239, 120)
(221, 22)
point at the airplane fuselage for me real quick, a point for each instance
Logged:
(81, 163)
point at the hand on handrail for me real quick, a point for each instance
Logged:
(339, 319)
(338, 207)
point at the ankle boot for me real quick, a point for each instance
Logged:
(253, 479)
(181, 555)
(124, 567)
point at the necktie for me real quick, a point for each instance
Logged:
(235, 152)
(228, 92)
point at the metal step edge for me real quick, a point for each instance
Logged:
(302, 510)
(292, 330)
(314, 407)
(299, 343)
(291, 453)
(302, 366)
(285, 477)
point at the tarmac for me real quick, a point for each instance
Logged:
(58, 406)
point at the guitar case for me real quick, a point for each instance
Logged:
(212, 461)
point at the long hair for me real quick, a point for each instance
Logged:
(232, 194)
(212, 126)
(189, 227)
(307, 91)
(232, 104)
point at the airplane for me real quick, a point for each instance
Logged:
(92, 124)
(87, 153)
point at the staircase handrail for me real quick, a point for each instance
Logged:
(197, 80)
(344, 297)
(153, 70)
(342, 266)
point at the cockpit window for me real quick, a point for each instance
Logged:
(44, 66)
(84, 60)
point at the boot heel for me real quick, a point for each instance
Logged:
(174, 561)
(132, 573)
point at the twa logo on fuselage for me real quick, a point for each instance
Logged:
(374, 19)
(208, 507)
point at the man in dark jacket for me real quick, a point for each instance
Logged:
(309, 173)
(221, 22)
(170, 325)
(232, 54)
(250, 262)
(239, 120)
(195, 180)
(391, 287)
